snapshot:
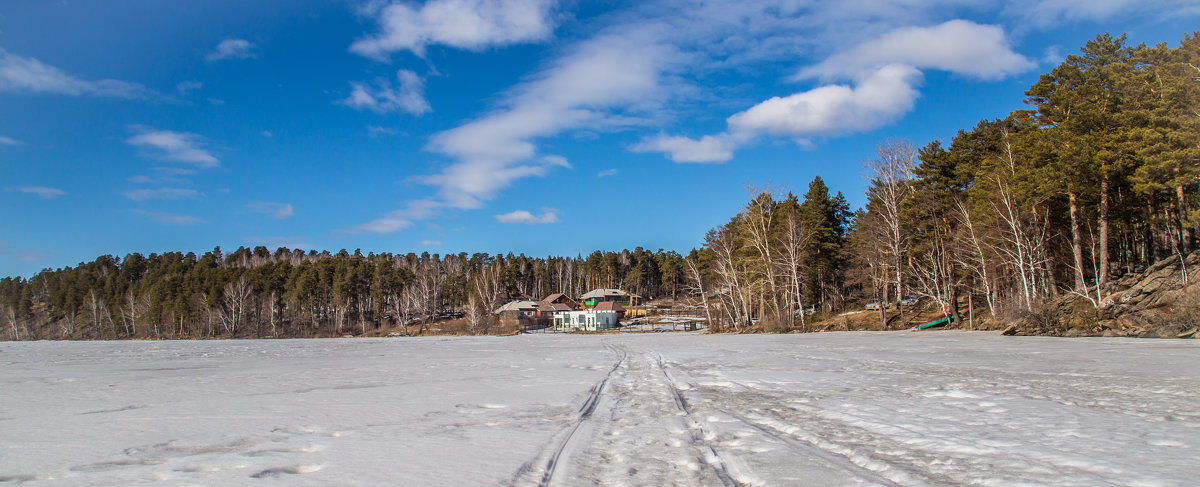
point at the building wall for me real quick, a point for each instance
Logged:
(587, 320)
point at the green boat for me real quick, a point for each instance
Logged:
(943, 321)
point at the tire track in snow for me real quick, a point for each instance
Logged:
(714, 461)
(585, 412)
(807, 448)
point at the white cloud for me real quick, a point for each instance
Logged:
(709, 148)
(28, 75)
(232, 49)
(164, 175)
(160, 194)
(187, 86)
(44, 192)
(9, 141)
(884, 74)
(375, 131)
(380, 96)
(276, 210)
(957, 46)
(173, 146)
(598, 83)
(522, 216)
(400, 219)
(1053, 55)
(648, 56)
(615, 71)
(430, 243)
(464, 24)
(606, 173)
(23, 255)
(833, 109)
(1049, 13)
(168, 218)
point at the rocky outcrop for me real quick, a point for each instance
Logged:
(1163, 302)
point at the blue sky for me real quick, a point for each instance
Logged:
(446, 126)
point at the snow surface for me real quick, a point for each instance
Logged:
(930, 408)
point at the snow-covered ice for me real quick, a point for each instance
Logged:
(931, 408)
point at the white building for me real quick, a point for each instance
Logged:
(585, 320)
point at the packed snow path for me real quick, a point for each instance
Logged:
(937, 408)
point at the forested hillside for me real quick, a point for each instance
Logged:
(1097, 179)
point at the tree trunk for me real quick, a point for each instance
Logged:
(1103, 277)
(1077, 245)
(882, 306)
(1185, 232)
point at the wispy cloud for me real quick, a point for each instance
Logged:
(23, 255)
(165, 175)
(9, 141)
(380, 96)
(430, 243)
(232, 49)
(173, 146)
(376, 131)
(1049, 13)
(599, 83)
(956, 46)
(160, 194)
(615, 71)
(44, 192)
(186, 87)
(168, 218)
(28, 75)
(464, 24)
(400, 219)
(606, 173)
(522, 216)
(276, 210)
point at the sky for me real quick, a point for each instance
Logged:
(528, 126)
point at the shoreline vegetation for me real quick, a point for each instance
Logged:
(1076, 216)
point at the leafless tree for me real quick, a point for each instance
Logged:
(234, 300)
(12, 321)
(933, 273)
(693, 271)
(973, 257)
(758, 222)
(485, 289)
(130, 311)
(792, 242)
(733, 289)
(891, 176)
(428, 290)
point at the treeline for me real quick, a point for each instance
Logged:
(290, 293)
(1098, 178)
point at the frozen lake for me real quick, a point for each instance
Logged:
(935, 408)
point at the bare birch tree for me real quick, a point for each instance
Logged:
(891, 175)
